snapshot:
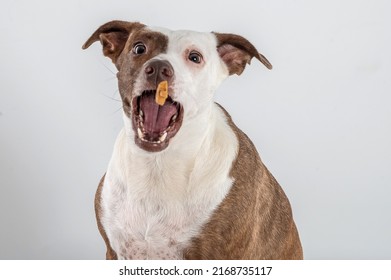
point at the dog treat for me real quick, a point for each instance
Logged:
(161, 93)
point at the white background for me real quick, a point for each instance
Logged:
(320, 119)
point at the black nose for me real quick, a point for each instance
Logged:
(159, 70)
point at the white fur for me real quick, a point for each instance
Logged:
(153, 204)
(158, 201)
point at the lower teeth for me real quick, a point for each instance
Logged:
(141, 135)
(163, 137)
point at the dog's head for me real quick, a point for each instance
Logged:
(193, 64)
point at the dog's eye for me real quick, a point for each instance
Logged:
(139, 48)
(195, 57)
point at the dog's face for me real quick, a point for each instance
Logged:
(193, 64)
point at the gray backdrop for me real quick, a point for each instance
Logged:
(320, 119)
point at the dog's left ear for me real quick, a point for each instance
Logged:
(237, 51)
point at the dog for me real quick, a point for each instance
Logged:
(183, 181)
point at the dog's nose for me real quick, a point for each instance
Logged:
(159, 70)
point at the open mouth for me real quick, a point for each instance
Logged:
(155, 124)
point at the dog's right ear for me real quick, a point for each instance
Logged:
(237, 51)
(113, 36)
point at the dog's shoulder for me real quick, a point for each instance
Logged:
(261, 207)
(247, 160)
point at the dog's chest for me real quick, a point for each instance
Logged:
(152, 205)
(156, 215)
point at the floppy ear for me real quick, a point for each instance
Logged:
(113, 36)
(237, 51)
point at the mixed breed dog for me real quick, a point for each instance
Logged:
(184, 182)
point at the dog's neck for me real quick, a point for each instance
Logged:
(195, 145)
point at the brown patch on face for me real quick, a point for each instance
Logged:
(254, 221)
(118, 39)
(132, 64)
(153, 125)
(132, 48)
(237, 51)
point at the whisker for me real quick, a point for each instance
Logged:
(116, 111)
(110, 79)
(105, 66)
(112, 97)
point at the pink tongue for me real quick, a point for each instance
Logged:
(156, 117)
